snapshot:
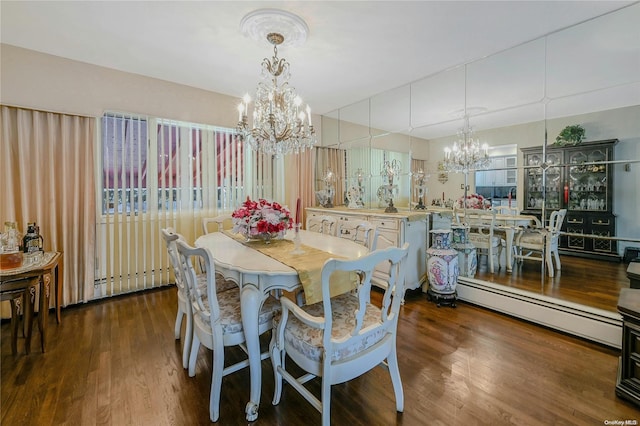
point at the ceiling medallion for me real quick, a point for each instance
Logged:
(259, 23)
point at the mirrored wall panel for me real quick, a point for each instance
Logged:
(520, 102)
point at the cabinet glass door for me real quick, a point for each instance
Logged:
(536, 192)
(554, 186)
(588, 182)
(533, 190)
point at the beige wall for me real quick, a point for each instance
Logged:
(35, 80)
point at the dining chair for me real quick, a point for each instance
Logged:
(324, 224)
(341, 337)
(544, 241)
(501, 230)
(482, 227)
(218, 223)
(184, 307)
(217, 320)
(506, 210)
(362, 232)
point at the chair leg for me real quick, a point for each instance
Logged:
(188, 339)
(276, 354)
(216, 380)
(394, 371)
(326, 401)
(557, 258)
(195, 347)
(490, 260)
(178, 326)
(15, 322)
(549, 262)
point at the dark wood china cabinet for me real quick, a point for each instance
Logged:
(575, 180)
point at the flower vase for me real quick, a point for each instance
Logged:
(442, 268)
(467, 254)
(297, 243)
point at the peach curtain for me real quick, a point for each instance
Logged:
(299, 172)
(47, 177)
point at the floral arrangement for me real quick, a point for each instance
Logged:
(255, 218)
(474, 201)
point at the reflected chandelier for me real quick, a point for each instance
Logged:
(466, 154)
(279, 125)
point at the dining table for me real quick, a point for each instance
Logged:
(510, 224)
(258, 274)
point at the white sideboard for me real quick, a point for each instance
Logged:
(394, 229)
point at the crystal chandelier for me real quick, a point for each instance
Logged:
(280, 125)
(466, 154)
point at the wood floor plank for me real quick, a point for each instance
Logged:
(590, 282)
(116, 362)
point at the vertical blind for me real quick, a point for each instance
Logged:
(159, 173)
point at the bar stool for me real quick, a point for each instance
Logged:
(21, 294)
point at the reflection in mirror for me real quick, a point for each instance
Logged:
(596, 55)
(390, 111)
(513, 78)
(392, 147)
(330, 129)
(358, 172)
(436, 99)
(523, 97)
(354, 122)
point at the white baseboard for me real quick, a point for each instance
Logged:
(593, 324)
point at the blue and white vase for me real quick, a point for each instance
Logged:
(442, 263)
(467, 253)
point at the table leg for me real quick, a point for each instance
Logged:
(250, 301)
(45, 288)
(29, 302)
(510, 232)
(58, 279)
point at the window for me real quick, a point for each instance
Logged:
(159, 173)
(164, 165)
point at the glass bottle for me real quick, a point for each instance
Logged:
(32, 241)
(10, 237)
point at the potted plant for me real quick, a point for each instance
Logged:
(570, 135)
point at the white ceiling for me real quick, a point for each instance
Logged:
(354, 50)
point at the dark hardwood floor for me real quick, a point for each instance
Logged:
(594, 283)
(115, 362)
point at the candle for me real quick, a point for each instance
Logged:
(240, 111)
(443, 196)
(298, 212)
(309, 114)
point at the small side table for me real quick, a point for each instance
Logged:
(43, 271)
(628, 381)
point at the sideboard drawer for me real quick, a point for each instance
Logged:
(386, 223)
